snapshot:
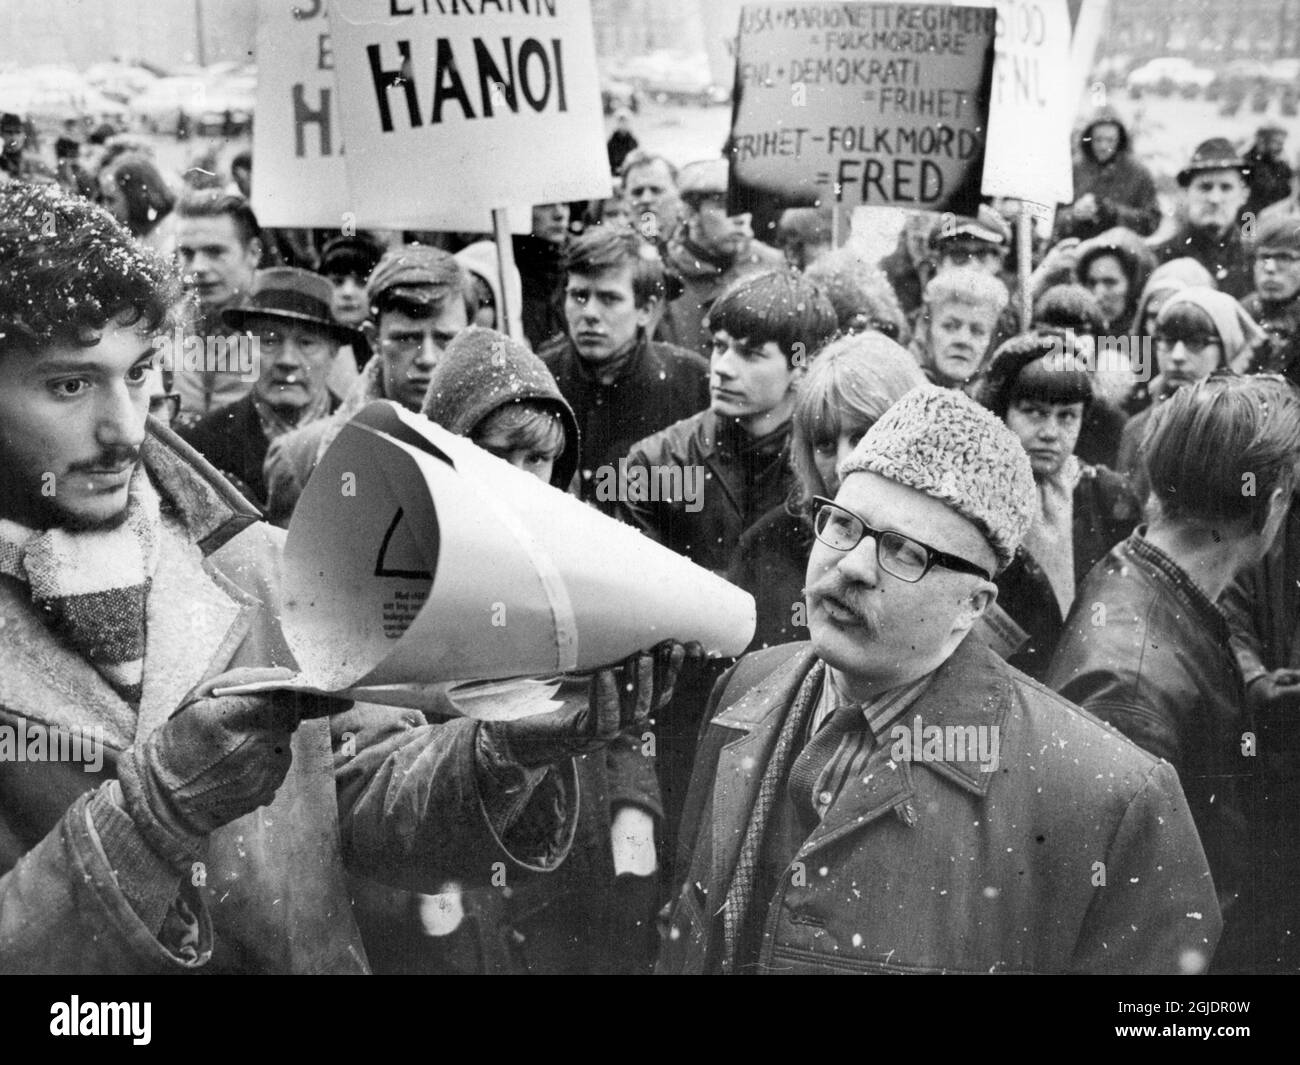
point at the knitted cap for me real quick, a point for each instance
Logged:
(941, 442)
(482, 371)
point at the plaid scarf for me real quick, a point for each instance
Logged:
(92, 586)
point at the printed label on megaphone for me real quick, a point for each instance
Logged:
(444, 564)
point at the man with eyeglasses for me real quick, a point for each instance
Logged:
(287, 315)
(1275, 303)
(892, 797)
(420, 300)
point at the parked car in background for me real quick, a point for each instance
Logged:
(1170, 74)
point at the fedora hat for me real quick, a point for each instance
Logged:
(1215, 154)
(286, 293)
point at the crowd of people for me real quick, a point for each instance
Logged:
(1021, 692)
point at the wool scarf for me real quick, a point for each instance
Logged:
(1050, 539)
(92, 586)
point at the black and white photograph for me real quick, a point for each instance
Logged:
(650, 487)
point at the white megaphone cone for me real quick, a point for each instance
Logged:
(416, 558)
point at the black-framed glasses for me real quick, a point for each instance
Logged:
(1194, 343)
(898, 555)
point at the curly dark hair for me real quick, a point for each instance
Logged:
(68, 269)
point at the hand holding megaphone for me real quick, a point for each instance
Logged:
(618, 700)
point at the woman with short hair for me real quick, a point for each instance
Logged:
(1035, 385)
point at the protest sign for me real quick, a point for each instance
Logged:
(452, 110)
(415, 559)
(1033, 104)
(300, 178)
(862, 104)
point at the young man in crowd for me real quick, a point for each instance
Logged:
(622, 385)
(766, 329)
(218, 245)
(1147, 650)
(420, 300)
(1111, 188)
(835, 824)
(159, 858)
(293, 340)
(711, 476)
(957, 327)
(1275, 303)
(1215, 193)
(710, 250)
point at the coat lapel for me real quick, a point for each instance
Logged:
(760, 714)
(196, 622)
(970, 689)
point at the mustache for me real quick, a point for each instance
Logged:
(833, 587)
(110, 458)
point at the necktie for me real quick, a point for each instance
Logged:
(820, 750)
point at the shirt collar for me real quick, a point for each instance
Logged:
(880, 712)
(1187, 588)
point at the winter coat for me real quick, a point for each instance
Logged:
(541, 273)
(1123, 188)
(1263, 607)
(1104, 512)
(1226, 258)
(1263, 610)
(371, 787)
(232, 439)
(705, 279)
(659, 385)
(1269, 180)
(1279, 352)
(1147, 652)
(742, 480)
(1078, 854)
(770, 563)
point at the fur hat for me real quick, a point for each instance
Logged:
(941, 442)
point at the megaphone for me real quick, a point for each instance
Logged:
(416, 558)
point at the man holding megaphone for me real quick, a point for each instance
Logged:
(135, 583)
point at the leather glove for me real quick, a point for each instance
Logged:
(214, 760)
(617, 700)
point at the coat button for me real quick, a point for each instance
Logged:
(824, 798)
